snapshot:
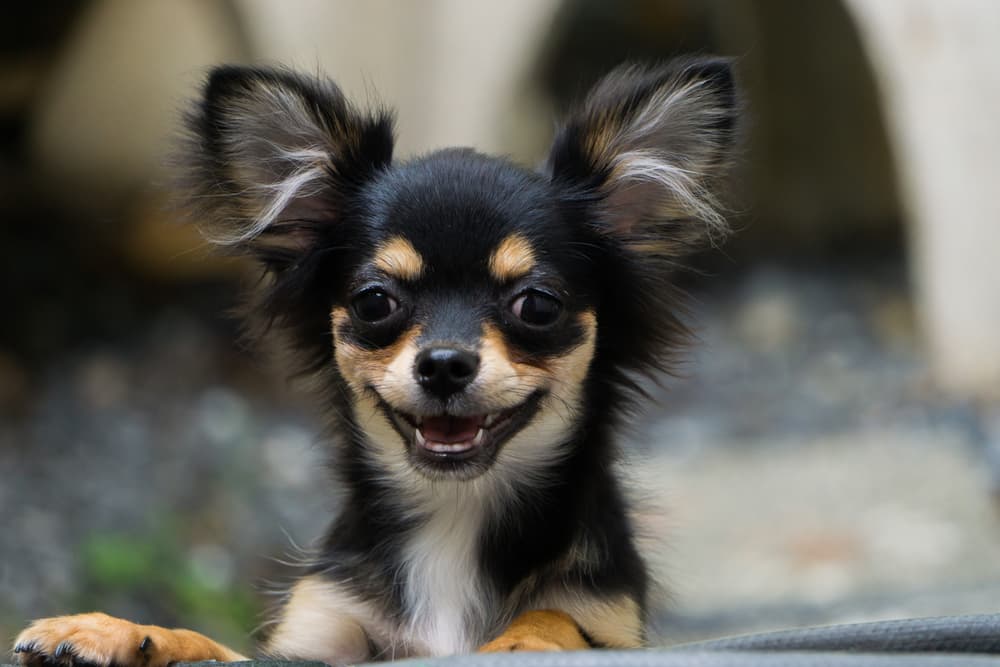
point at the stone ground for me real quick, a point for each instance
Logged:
(801, 471)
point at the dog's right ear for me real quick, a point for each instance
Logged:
(272, 158)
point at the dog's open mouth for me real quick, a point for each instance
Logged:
(448, 441)
(451, 435)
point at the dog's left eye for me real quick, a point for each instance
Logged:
(374, 305)
(536, 308)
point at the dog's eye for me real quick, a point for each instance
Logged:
(536, 308)
(374, 305)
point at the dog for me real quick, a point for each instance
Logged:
(478, 331)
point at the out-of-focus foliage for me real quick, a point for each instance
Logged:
(128, 567)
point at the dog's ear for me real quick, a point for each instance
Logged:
(272, 158)
(652, 144)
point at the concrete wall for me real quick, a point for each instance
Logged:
(450, 67)
(938, 75)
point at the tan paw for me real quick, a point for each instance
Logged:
(102, 641)
(96, 639)
(546, 630)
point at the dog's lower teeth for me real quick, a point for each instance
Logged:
(444, 448)
(449, 447)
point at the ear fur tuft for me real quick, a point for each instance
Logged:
(270, 157)
(654, 142)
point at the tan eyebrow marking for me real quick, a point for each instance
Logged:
(398, 258)
(512, 259)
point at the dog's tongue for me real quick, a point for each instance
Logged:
(450, 429)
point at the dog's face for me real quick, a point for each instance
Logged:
(468, 325)
(459, 301)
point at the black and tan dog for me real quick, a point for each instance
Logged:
(474, 328)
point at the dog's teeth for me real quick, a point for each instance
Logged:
(445, 448)
(489, 420)
(478, 440)
(421, 440)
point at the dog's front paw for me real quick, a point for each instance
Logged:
(546, 630)
(99, 640)
(509, 644)
(84, 639)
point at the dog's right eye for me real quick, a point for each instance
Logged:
(373, 305)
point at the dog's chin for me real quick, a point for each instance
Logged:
(446, 446)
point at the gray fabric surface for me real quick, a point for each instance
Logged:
(949, 634)
(674, 658)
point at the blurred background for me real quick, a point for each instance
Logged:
(829, 451)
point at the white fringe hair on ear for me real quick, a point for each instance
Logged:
(661, 137)
(268, 150)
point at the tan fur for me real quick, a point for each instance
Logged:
(350, 358)
(571, 369)
(398, 258)
(532, 451)
(321, 622)
(614, 622)
(539, 630)
(101, 639)
(514, 258)
(599, 142)
(388, 369)
(500, 372)
(396, 383)
(666, 248)
(504, 368)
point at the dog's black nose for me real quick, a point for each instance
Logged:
(444, 371)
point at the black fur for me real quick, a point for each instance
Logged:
(455, 206)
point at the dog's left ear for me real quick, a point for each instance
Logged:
(652, 144)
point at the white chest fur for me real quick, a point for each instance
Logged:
(446, 598)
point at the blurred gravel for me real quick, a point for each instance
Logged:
(175, 438)
(805, 471)
(802, 470)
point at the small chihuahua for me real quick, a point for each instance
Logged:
(476, 329)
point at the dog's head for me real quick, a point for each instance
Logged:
(467, 311)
